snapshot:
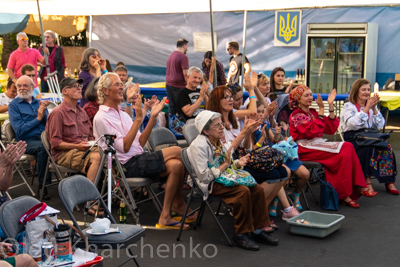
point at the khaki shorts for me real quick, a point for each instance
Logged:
(73, 159)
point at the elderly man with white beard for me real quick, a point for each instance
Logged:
(28, 118)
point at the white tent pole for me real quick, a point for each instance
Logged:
(43, 42)
(90, 30)
(244, 45)
(212, 44)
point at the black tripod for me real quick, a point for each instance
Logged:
(117, 192)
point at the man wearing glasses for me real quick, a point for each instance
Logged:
(23, 55)
(28, 118)
(235, 64)
(69, 129)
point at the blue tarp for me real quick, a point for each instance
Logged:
(12, 23)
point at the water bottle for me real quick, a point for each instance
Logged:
(122, 212)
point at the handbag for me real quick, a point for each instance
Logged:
(232, 176)
(176, 125)
(371, 137)
(261, 159)
(329, 198)
(38, 228)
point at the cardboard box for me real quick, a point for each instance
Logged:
(397, 81)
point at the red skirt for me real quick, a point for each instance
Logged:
(342, 170)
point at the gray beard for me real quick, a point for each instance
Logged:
(26, 97)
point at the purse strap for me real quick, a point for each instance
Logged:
(74, 228)
(33, 212)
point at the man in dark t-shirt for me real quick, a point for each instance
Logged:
(190, 98)
(235, 64)
(177, 67)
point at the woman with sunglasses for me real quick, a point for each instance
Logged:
(92, 66)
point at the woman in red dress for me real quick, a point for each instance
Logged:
(342, 167)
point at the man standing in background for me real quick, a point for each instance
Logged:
(176, 75)
(56, 60)
(235, 64)
(23, 55)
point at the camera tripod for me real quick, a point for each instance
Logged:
(112, 180)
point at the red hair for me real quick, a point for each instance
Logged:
(213, 104)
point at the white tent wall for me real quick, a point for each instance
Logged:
(144, 42)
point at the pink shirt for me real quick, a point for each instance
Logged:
(110, 121)
(18, 58)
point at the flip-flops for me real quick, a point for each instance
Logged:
(171, 226)
(187, 220)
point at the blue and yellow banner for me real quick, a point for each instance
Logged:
(287, 28)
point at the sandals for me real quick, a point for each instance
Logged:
(295, 199)
(367, 193)
(351, 204)
(272, 208)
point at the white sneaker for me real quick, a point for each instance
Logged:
(290, 214)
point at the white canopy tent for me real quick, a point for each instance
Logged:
(120, 7)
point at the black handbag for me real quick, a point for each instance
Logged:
(329, 198)
(371, 137)
(261, 159)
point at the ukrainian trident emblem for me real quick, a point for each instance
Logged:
(287, 28)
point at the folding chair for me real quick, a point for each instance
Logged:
(313, 167)
(18, 167)
(161, 138)
(78, 189)
(10, 213)
(190, 132)
(52, 166)
(197, 194)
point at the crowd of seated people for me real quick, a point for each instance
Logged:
(225, 124)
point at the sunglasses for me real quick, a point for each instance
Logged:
(24, 39)
(30, 75)
(96, 56)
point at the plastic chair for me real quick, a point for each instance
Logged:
(78, 189)
(196, 193)
(10, 136)
(52, 166)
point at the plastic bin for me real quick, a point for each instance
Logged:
(320, 224)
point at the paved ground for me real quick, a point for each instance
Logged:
(369, 236)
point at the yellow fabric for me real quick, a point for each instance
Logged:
(3, 117)
(390, 99)
(154, 85)
(65, 26)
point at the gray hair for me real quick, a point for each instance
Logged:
(51, 33)
(208, 124)
(19, 35)
(30, 80)
(121, 68)
(104, 83)
(194, 69)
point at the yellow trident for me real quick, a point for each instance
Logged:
(287, 32)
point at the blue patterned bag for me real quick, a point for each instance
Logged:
(232, 176)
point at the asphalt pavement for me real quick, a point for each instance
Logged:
(368, 236)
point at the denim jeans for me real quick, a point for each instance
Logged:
(35, 147)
